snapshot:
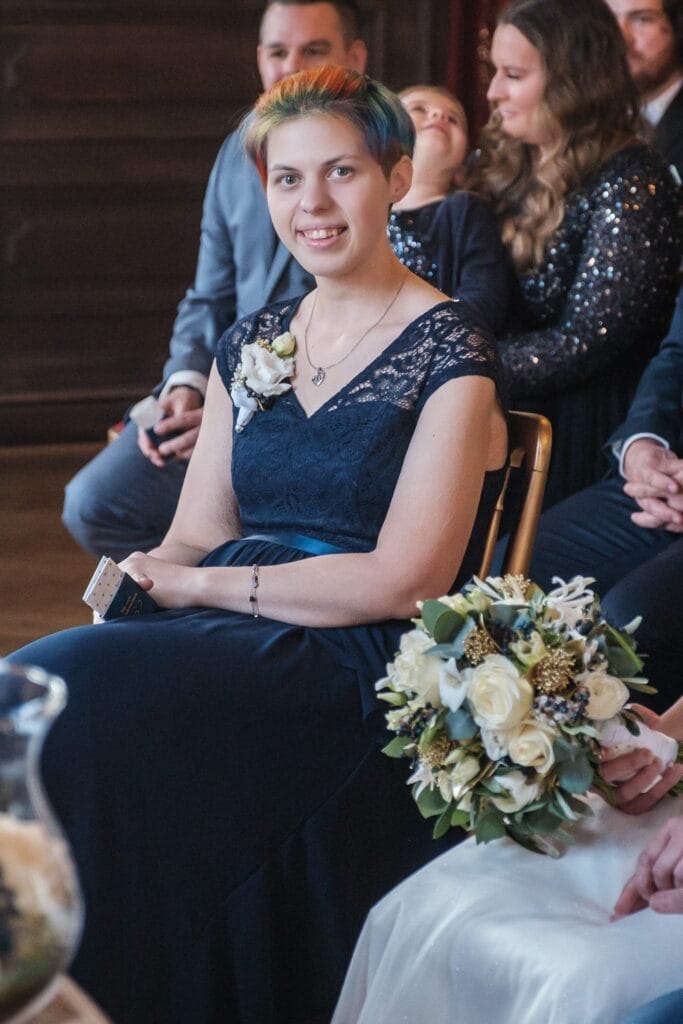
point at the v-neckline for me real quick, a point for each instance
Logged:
(399, 337)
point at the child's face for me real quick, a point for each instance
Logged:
(440, 126)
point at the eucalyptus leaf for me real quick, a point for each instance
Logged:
(442, 825)
(489, 826)
(429, 735)
(441, 621)
(578, 806)
(459, 819)
(444, 651)
(397, 746)
(575, 775)
(469, 625)
(505, 614)
(460, 725)
(447, 626)
(628, 658)
(641, 687)
(430, 803)
(541, 822)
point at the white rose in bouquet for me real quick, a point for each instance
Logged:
(264, 371)
(520, 792)
(411, 671)
(532, 746)
(607, 694)
(499, 696)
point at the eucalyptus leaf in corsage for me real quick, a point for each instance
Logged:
(499, 698)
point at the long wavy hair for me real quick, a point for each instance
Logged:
(589, 110)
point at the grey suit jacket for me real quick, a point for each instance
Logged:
(242, 265)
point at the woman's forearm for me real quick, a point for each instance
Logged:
(324, 591)
(179, 553)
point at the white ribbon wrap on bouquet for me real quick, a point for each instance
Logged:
(620, 741)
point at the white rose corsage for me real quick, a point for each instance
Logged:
(261, 375)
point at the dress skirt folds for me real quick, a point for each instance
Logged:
(229, 807)
(220, 776)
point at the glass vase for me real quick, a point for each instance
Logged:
(40, 903)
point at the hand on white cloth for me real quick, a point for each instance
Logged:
(657, 881)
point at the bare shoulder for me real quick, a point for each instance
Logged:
(420, 297)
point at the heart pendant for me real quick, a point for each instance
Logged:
(318, 377)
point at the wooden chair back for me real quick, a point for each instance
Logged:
(530, 441)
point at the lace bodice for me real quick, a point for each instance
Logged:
(333, 474)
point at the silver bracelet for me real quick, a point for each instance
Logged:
(253, 596)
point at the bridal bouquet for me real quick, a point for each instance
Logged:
(499, 696)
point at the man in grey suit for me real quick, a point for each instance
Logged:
(125, 498)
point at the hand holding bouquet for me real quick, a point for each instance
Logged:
(499, 697)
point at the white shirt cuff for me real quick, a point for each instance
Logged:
(188, 378)
(621, 447)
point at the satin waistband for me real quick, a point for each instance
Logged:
(300, 541)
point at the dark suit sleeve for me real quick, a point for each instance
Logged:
(210, 305)
(668, 137)
(656, 408)
(473, 264)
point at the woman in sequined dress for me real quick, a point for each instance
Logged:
(449, 238)
(590, 217)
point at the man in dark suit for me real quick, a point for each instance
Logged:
(125, 498)
(626, 531)
(653, 31)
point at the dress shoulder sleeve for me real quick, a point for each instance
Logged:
(459, 349)
(265, 323)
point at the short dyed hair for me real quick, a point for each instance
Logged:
(377, 112)
(348, 10)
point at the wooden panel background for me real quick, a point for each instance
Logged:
(111, 114)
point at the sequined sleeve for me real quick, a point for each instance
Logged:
(609, 280)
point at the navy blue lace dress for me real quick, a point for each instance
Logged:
(220, 777)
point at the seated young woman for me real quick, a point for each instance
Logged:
(591, 218)
(498, 934)
(218, 768)
(448, 236)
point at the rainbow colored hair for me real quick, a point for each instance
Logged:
(377, 112)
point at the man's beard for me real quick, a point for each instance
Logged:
(648, 80)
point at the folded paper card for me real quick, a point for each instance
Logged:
(113, 593)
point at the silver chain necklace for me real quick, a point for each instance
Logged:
(318, 377)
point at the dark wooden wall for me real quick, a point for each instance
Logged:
(111, 113)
